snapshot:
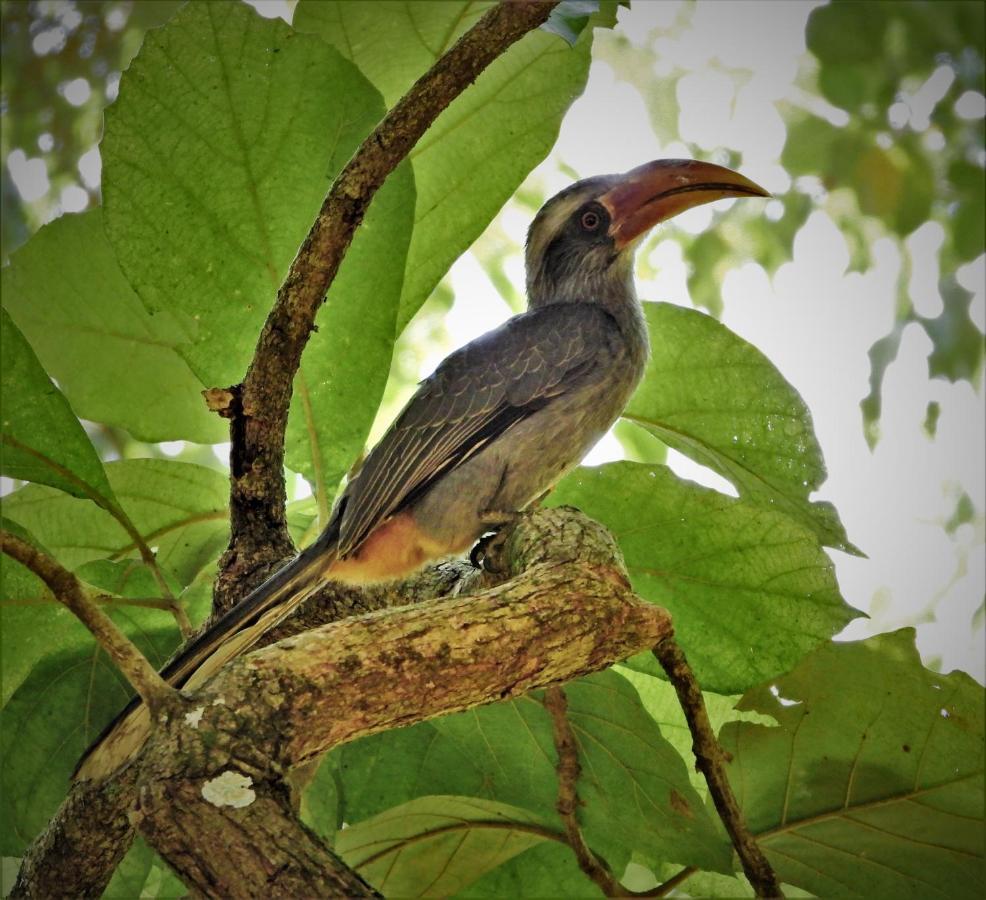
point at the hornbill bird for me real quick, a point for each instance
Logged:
(497, 424)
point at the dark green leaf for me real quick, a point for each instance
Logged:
(958, 342)
(506, 753)
(547, 870)
(719, 400)
(116, 363)
(435, 846)
(872, 783)
(56, 712)
(42, 439)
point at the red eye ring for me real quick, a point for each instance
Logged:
(590, 220)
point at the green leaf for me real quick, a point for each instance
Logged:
(42, 439)
(142, 874)
(179, 508)
(56, 712)
(882, 354)
(232, 127)
(712, 396)
(546, 870)
(872, 783)
(321, 808)
(483, 146)
(32, 622)
(749, 588)
(435, 846)
(506, 753)
(115, 363)
(958, 342)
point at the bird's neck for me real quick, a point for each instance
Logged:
(616, 293)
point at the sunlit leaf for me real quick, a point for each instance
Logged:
(715, 398)
(180, 509)
(42, 440)
(226, 136)
(481, 148)
(116, 363)
(749, 588)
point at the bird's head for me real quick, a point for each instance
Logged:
(581, 244)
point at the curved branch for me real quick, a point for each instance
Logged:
(259, 407)
(66, 588)
(711, 762)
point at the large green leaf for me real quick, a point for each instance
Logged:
(872, 783)
(114, 362)
(506, 753)
(57, 711)
(547, 870)
(712, 396)
(749, 588)
(226, 136)
(179, 509)
(482, 147)
(435, 846)
(42, 440)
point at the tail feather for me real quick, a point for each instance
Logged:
(204, 655)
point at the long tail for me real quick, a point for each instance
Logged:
(230, 636)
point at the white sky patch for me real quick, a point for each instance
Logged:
(73, 198)
(77, 91)
(229, 789)
(30, 175)
(971, 105)
(90, 167)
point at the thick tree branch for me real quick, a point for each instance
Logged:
(259, 407)
(711, 762)
(66, 588)
(289, 703)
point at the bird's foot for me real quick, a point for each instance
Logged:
(485, 552)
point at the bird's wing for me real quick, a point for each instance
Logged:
(473, 397)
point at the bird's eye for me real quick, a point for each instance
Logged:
(590, 220)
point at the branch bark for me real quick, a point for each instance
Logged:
(259, 406)
(711, 762)
(216, 765)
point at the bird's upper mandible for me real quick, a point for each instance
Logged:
(581, 243)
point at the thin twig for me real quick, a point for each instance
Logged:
(65, 586)
(665, 887)
(711, 762)
(258, 409)
(569, 770)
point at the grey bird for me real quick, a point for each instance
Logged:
(497, 424)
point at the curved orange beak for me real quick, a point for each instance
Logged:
(658, 190)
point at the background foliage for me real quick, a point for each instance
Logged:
(226, 131)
